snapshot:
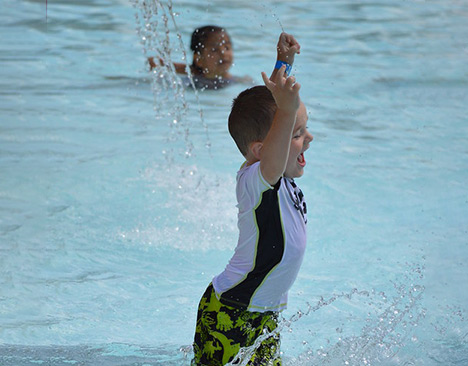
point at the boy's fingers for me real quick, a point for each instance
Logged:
(296, 87)
(292, 43)
(290, 81)
(266, 80)
(292, 39)
(281, 73)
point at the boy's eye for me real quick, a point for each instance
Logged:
(299, 133)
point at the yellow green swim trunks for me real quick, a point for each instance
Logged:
(222, 330)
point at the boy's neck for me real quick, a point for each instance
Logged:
(250, 158)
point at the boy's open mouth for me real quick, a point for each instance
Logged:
(301, 159)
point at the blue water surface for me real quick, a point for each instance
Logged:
(117, 202)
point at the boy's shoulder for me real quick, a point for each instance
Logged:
(249, 171)
(250, 179)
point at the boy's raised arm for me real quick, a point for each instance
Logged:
(274, 150)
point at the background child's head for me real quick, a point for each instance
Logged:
(251, 117)
(212, 51)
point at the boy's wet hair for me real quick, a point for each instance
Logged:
(251, 116)
(200, 36)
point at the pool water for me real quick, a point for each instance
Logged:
(117, 202)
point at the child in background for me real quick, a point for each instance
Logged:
(212, 58)
(240, 307)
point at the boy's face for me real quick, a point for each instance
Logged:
(216, 58)
(299, 143)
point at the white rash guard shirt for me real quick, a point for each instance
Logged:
(272, 240)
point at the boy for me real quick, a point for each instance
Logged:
(240, 308)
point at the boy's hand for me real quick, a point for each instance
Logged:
(287, 48)
(285, 90)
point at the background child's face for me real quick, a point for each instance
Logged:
(216, 57)
(299, 143)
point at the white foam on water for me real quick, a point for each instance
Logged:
(199, 214)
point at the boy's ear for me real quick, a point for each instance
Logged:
(255, 148)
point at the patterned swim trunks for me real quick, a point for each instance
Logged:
(223, 330)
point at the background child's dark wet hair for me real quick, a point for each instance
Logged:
(251, 116)
(200, 36)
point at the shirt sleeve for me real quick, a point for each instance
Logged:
(250, 186)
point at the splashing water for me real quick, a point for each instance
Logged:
(195, 206)
(391, 320)
(153, 22)
(277, 19)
